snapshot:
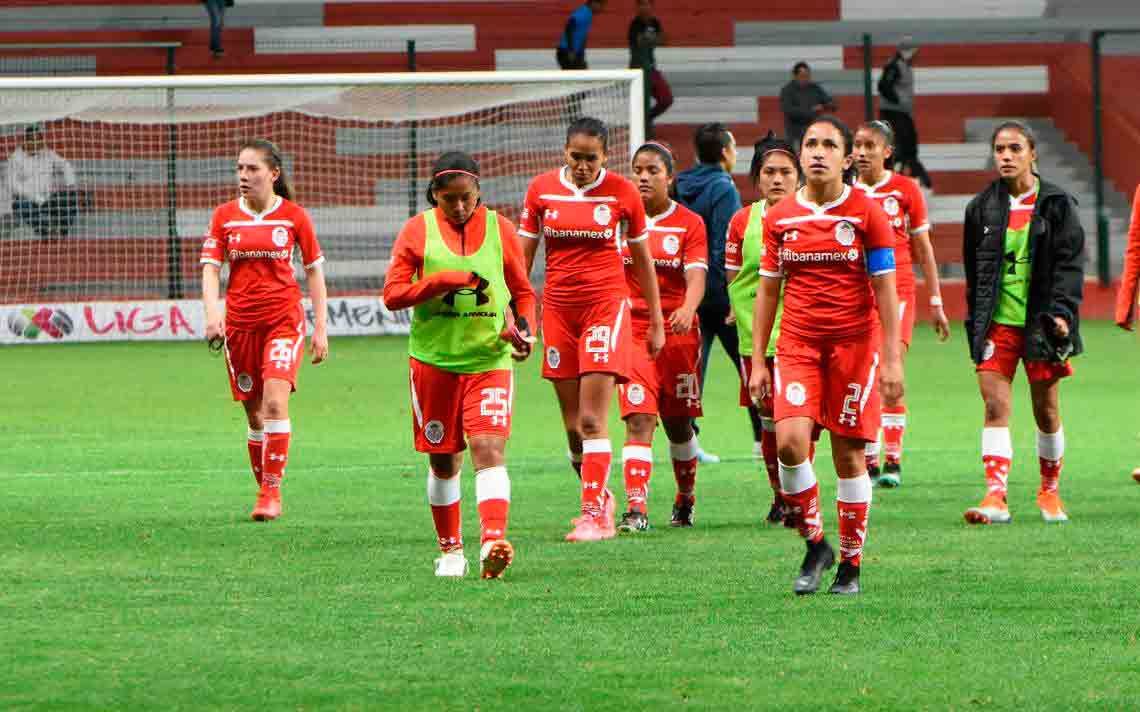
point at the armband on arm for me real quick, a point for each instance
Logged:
(880, 260)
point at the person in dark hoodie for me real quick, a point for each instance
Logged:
(708, 190)
(1023, 251)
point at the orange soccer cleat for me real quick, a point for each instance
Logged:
(992, 510)
(1051, 506)
(268, 505)
(494, 558)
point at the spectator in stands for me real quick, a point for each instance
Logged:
(43, 186)
(802, 100)
(217, 12)
(645, 36)
(896, 107)
(571, 50)
(709, 191)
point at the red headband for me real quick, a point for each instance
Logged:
(455, 170)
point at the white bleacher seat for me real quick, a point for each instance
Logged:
(389, 38)
(940, 9)
(687, 59)
(933, 81)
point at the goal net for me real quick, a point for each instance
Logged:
(107, 184)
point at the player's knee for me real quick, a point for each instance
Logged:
(487, 451)
(997, 410)
(792, 453)
(275, 408)
(591, 426)
(640, 427)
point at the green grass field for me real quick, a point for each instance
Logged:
(131, 577)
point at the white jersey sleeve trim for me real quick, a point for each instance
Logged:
(766, 273)
(733, 268)
(208, 261)
(526, 234)
(315, 262)
(882, 272)
(696, 265)
(640, 238)
(925, 227)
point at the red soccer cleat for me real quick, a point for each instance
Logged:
(268, 505)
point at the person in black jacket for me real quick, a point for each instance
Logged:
(1023, 250)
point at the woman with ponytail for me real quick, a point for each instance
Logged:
(459, 267)
(668, 386)
(262, 330)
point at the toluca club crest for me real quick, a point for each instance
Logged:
(845, 233)
(602, 214)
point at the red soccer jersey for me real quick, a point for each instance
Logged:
(734, 240)
(905, 205)
(821, 252)
(678, 244)
(259, 248)
(583, 230)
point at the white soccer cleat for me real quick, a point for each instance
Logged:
(452, 563)
(707, 458)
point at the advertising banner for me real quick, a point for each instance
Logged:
(169, 320)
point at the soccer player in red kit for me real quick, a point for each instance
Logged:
(667, 386)
(264, 323)
(459, 267)
(775, 172)
(833, 249)
(903, 202)
(582, 211)
(1129, 279)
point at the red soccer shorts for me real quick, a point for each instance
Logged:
(592, 339)
(1004, 348)
(449, 407)
(253, 356)
(746, 376)
(834, 384)
(906, 315)
(669, 385)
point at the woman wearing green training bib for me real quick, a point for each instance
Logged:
(459, 267)
(1023, 252)
(776, 174)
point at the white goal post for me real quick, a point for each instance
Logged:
(107, 183)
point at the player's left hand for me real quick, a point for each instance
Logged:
(681, 321)
(517, 332)
(941, 323)
(731, 318)
(891, 381)
(655, 339)
(1060, 327)
(319, 345)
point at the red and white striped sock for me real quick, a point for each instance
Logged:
(997, 458)
(1051, 458)
(493, 495)
(768, 449)
(870, 452)
(800, 491)
(596, 456)
(254, 442)
(637, 467)
(685, 468)
(443, 496)
(275, 454)
(894, 425)
(854, 505)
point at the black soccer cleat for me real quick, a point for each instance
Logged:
(682, 513)
(873, 473)
(632, 522)
(819, 558)
(892, 476)
(776, 512)
(846, 580)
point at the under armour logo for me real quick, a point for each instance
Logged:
(272, 456)
(601, 358)
(550, 214)
(638, 472)
(592, 485)
(480, 292)
(236, 237)
(847, 419)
